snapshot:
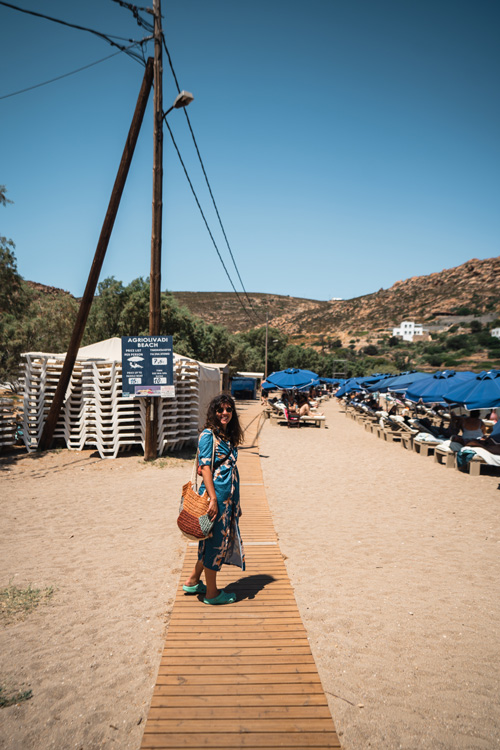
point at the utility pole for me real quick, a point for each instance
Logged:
(267, 333)
(151, 436)
(88, 295)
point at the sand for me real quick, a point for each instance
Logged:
(103, 534)
(394, 561)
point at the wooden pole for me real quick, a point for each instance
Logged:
(151, 436)
(102, 245)
(267, 328)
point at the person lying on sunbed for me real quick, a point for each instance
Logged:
(490, 443)
(473, 428)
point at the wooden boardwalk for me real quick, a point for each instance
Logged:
(241, 675)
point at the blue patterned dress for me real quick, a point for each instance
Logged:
(224, 546)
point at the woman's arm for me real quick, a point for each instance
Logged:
(206, 473)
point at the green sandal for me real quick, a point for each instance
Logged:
(199, 588)
(222, 598)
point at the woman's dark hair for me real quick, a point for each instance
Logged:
(233, 428)
(475, 413)
(302, 398)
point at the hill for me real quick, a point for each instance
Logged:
(471, 289)
(438, 301)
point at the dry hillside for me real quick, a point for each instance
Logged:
(454, 293)
(473, 286)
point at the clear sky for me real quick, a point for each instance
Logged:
(349, 143)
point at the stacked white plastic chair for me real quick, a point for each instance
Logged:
(41, 375)
(7, 424)
(95, 412)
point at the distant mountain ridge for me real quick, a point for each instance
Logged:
(469, 289)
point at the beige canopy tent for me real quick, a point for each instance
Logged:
(95, 412)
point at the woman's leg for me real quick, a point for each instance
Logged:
(211, 579)
(195, 575)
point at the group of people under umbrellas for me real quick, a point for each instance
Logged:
(476, 394)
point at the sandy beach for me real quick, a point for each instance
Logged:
(395, 565)
(394, 561)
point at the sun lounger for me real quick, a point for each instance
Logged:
(425, 443)
(444, 456)
(481, 458)
(317, 419)
(407, 441)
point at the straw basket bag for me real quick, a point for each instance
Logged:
(193, 519)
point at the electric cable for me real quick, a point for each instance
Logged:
(204, 219)
(135, 12)
(254, 312)
(65, 75)
(107, 37)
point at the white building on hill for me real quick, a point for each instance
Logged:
(495, 332)
(407, 330)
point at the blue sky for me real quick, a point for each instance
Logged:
(348, 144)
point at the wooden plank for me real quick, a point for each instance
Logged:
(228, 739)
(275, 659)
(229, 645)
(217, 726)
(232, 700)
(237, 669)
(200, 653)
(246, 622)
(275, 691)
(245, 712)
(238, 678)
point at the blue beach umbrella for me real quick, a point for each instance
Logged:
(432, 389)
(293, 378)
(397, 384)
(479, 392)
(350, 385)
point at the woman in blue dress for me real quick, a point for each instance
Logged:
(222, 484)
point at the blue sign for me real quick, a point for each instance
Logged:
(147, 366)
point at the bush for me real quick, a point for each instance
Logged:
(462, 341)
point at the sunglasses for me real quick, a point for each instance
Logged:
(228, 409)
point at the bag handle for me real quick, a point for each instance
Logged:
(194, 475)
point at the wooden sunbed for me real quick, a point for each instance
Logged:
(424, 447)
(319, 420)
(444, 456)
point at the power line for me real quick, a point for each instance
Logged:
(65, 75)
(107, 37)
(204, 219)
(135, 12)
(254, 312)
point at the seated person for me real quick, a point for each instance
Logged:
(490, 443)
(303, 405)
(292, 404)
(473, 428)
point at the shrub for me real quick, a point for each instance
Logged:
(462, 341)
(435, 360)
